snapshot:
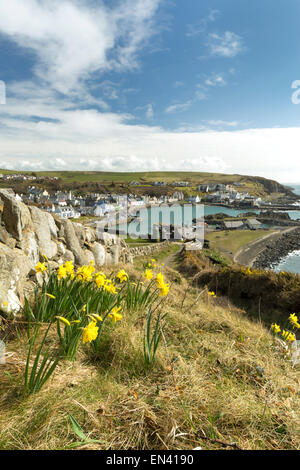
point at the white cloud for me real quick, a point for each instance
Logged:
(179, 107)
(68, 138)
(178, 84)
(200, 27)
(227, 45)
(216, 80)
(149, 112)
(73, 39)
(223, 123)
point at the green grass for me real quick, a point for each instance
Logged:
(229, 242)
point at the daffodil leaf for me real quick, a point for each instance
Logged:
(77, 428)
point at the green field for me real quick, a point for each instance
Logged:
(229, 242)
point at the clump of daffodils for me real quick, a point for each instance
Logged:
(288, 336)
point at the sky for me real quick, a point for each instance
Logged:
(151, 85)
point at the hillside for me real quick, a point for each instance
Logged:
(117, 180)
(219, 381)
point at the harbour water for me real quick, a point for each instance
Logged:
(291, 262)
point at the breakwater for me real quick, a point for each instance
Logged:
(276, 250)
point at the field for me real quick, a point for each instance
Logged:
(230, 242)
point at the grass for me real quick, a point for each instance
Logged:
(218, 375)
(230, 242)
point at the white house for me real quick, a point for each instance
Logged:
(66, 212)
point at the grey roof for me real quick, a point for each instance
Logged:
(234, 224)
(253, 222)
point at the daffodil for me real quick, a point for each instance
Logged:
(160, 279)
(164, 290)
(97, 317)
(100, 279)
(64, 320)
(109, 286)
(148, 274)
(115, 315)
(275, 328)
(40, 267)
(288, 336)
(85, 273)
(294, 320)
(50, 296)
(62, 272)
(69, 267)
(90, 332)
(122, 276)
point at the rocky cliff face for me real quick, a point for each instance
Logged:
(28, 233)
(272, 186)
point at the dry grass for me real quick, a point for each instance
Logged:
(218, 374)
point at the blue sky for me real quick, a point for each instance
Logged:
(151, 85)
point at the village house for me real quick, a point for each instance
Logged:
(66, 212)
(181, 184)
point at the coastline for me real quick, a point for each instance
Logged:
(268, 250)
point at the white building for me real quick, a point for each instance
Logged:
(66, 212)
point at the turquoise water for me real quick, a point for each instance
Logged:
(208, 210)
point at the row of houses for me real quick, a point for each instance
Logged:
(22, 177)
(68, 205)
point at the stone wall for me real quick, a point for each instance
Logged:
(148, 250)
(27, 233)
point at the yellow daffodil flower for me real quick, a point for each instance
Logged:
(90, 332)
(115, 315)
(148, 274)
(40, 267)
(294, 320)
(164, 290)
(122, 276)
(100, 279)
(61, 272)
(275, 328)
